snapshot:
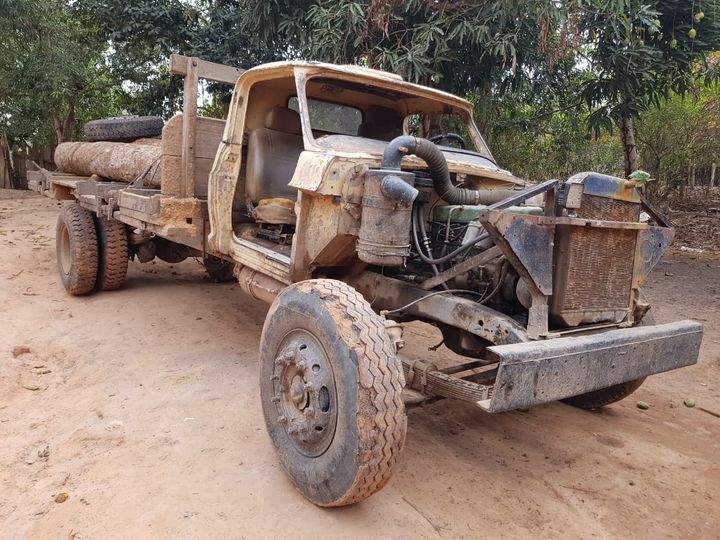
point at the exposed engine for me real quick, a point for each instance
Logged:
(579, 263)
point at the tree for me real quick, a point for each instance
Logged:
(142, 34)
(543, 135)
(681, 135)
(457, 46)
(50, 72)
(639, 53)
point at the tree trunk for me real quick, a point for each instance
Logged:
(64, 128)
(431, 124)
(692, 176)
(123, 162)
(57, 126)
(712, 175)
(627, 134)
(69, 123)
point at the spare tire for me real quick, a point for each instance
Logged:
(123, 128)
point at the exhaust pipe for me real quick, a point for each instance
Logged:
(258, 285)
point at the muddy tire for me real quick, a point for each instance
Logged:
(219, 270)
(123, 128)
(604, 396)
(611, 394)
(76, 249)
(331, 392)
(112, 254)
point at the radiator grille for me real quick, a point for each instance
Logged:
(600, 263)
(594, 266)
(594, 207)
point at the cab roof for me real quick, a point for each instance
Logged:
(369, 76)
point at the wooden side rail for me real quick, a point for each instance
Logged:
(194, 69)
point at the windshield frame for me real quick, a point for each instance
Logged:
(420, 100)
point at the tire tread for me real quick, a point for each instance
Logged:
(604, 396)
(84, 248)
(382, 423)
(123, 128)
(112, 254)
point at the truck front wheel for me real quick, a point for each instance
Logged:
(604, 396)
(76, 249)
(611, 394)
(331, 392)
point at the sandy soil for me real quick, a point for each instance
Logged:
(147, 416)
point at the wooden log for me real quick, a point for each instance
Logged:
(123, 162)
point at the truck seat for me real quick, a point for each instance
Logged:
(273, 153)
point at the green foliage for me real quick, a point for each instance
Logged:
(538, 144)
(539, 71)
(454, 45)
(51, 76)
(681, 133)
(640, 52)
(141, 35)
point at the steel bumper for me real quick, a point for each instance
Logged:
(541, 371)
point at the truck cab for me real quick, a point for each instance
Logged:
(297, 141)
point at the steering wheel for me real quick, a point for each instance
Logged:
(454, 137)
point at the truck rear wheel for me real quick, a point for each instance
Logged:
(76, 249)
(331, 391)
(112, 253)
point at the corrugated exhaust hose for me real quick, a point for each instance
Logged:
(431, 154)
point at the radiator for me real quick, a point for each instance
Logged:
(593, 267)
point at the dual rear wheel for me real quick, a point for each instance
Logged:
(91, 251)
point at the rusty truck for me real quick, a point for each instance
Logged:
(354, 202)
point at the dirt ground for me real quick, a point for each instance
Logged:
(146, 414)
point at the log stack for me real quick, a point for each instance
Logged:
(122, 162)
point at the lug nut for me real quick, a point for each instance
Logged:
(286, 357)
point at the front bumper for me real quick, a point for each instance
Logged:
(541, 371)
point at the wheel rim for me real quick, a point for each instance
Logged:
(65, 253)
(304, 393)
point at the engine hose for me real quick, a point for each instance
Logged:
(503, 273)
(417, 222)
(431, 154)
(425, 242)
